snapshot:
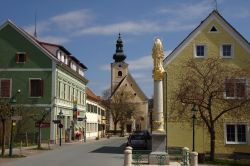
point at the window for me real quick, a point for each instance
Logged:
(226, 50)
(213, 29)
(36, 87)
(119, 73)
(20, 57)
(200, 51)
(236, 133)
(235, 88)
(5, 88)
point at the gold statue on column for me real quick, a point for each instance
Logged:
(157, 55)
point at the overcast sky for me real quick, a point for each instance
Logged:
(89, 29)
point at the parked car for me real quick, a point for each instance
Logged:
(146, 133)
(137, 141)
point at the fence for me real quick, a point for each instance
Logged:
(141, 157)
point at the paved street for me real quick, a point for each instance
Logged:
(108, 152)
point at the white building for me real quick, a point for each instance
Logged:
(96, 116)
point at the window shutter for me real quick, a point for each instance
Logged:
(42, 87)
(5, 88)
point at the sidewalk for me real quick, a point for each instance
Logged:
(31, 150)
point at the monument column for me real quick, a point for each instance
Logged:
(158, 154)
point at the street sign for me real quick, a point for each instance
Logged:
(60, 125)
(80, 119)
(16, 118)
(56, 121)
(42, 125)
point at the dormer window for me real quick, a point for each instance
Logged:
(20, 57)
(73, 66)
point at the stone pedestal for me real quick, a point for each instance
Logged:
(159, 158)
(158, 142)
(158, 154)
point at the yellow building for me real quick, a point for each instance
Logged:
(213, 38)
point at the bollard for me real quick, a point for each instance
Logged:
(185, 153)
(128, 156)
(49, 144)
(194, 159)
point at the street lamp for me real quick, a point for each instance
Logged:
(12, 102)
(60, 127)
(194, 110)
(85, 128)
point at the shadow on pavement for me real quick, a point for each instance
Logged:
(110, 149)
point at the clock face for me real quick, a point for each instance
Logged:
(120, 65)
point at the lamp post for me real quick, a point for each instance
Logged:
(12, 102)
(60, 127)
(85, 128)
(194, 110)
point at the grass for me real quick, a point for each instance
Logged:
(228, 162)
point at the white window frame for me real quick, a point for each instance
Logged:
(10, 87)
(236, 134)
(232, 50)
(205, 50)
(30, 88)
(244, 80)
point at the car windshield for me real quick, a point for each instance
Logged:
(137, 137)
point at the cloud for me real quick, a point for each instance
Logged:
(69, 21)
(125, 27)
(55, 39)
(187, 11)
(140, 64)
(72, 19)
(239, 13)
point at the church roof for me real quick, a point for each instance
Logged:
(136, 87)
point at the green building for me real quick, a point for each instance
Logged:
(49, 77)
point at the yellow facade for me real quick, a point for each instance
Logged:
(180, 133)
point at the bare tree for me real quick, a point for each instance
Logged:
(211, 85)
(39, 119)
(121, 106)
(5, 113)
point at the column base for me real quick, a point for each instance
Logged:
(158, 141)
(159, 158)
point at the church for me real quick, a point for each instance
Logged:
(122, 79)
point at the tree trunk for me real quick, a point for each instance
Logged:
(212, 144)
(39, 137)
(115, 127)
(3, 137)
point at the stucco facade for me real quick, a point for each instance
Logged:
(49, 78)
(212, 34)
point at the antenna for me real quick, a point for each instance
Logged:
(216, 6)
(35, 34)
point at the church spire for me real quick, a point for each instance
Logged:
(119, 54)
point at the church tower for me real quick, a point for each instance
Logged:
(119, 69)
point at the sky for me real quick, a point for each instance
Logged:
(89, 29)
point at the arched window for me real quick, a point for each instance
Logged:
(119, 73)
